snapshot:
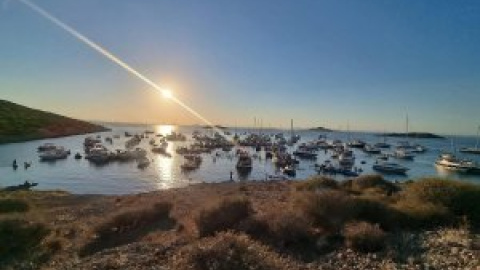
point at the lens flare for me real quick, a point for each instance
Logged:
(166, 93)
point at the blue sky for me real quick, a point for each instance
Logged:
(323, 63)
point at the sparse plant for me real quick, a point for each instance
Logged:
(364, 236)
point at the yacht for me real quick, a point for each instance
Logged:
(46, 147)
(451, 162)
(382, 145)
(346, 159)
(390, 168)
(357, 144)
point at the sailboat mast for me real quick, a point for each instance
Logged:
(291, 128)
(478, 137)
(406, 134)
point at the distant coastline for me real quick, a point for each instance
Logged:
(321, 129)
(420, 135)
(19, 124)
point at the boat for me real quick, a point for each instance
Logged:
(370, 149)
(450, 162)
(473, 150)
(143, 163)
(244, 161)
(390, 168)
(305, 154)
(402, 153)
(346, 159)
(46, 147)
(382, 157)
(78, 156)
(25, 186)
(382, 145)
(98, 155)
(54, 154)
(357, 144)
(289, 170)
(192, 162)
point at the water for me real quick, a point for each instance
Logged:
(81, 177)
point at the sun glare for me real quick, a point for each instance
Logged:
(167, 93)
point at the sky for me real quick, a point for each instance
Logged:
(364, 64)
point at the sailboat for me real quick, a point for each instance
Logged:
(293, 138)
(473, 150)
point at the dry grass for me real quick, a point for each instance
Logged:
(316, 183)
(372, 182)
(364, 237)
(129, 226)
(228, 251)
(222, 215)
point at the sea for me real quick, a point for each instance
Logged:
(83, 177)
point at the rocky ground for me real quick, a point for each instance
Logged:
(73, 217)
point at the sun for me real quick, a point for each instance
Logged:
(167, 93)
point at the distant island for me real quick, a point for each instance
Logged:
(19, 123)
(321, 129)
(421, 135)
(216, 126)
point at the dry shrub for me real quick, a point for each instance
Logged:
(415, 214)
(376, 212)
(462, 199)
(128, 226)
(317, 182)
(364, 237)
(328, 209)
(222, 216)
(228, 251)
(13, 206)
(373, 182)
(289, 229)
(21, 244)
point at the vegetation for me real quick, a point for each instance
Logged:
(19, 123)
(227, 251)
(422, 135)
(21, 244)
(223, 215)
(13, 206)
(364, 237)
(316, 183)
(128, 226)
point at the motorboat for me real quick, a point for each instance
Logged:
(98, 155)
(418, 149)
(46, 147)
(402, 153)
(369, 149)
(357, 144)
(143, 163)
(289, 170)
(54, 154)
(382, 145)
(346, 159)
(390, 168)
(244, 161)
(452, 163)
(305, 154)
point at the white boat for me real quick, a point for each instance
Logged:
(98, 154)
(46, 147)
(54, 154)
(473, 150)
(390, 168)
(452, 163)
(403, 153)
(346, 159)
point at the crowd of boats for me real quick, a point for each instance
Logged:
(285, 153)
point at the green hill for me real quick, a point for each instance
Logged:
(19, 123)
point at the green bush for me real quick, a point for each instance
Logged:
(222, 216)
(228, 251)
(329, 209)
(317, 182)
(12, 206)
(364, 237)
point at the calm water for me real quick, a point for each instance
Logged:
(79, 176)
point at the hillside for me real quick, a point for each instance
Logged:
(19, 123)
(419, 135)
